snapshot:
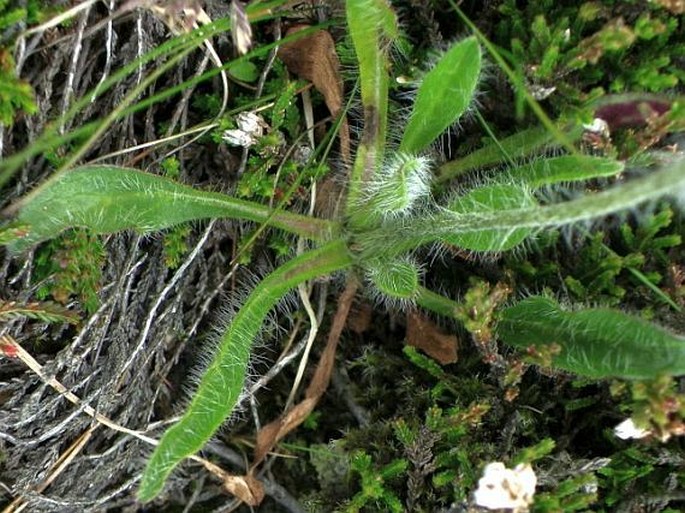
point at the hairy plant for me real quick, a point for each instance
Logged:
(389, 214)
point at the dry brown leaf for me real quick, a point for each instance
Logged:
(246, 488)
(273, 432)
(423, 334)
(313, 58)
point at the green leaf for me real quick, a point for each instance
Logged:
(222, 382)
(398, 236)
(521, 144)
(491, 198)
(42, 311)
(15, 94)
(397, 187)
(444, 95)
(372, 25)
(595, 342)
(284, 100)
(397, 278)
(244, 70)
(567, 168)
(108, 199)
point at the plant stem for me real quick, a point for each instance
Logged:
(437, 303)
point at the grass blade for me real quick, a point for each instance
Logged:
(521, 144)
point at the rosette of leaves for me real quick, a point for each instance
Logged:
(377, 234)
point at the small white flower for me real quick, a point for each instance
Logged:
(239, 138)
(598, 126)
(503, 488)
(627, 429)
(250, 128)
(251, 122)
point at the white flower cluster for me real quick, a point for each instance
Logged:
(627, 429)
(503, 488)
(251, 127)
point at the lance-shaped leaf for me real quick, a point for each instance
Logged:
(399, 236)
(372, 25)
(488, 199)
(521, 144)
(566, 168)
(222, 382)
(444, 95)
(108, 199)
(594, 342)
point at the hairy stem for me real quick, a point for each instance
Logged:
(437, 303)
